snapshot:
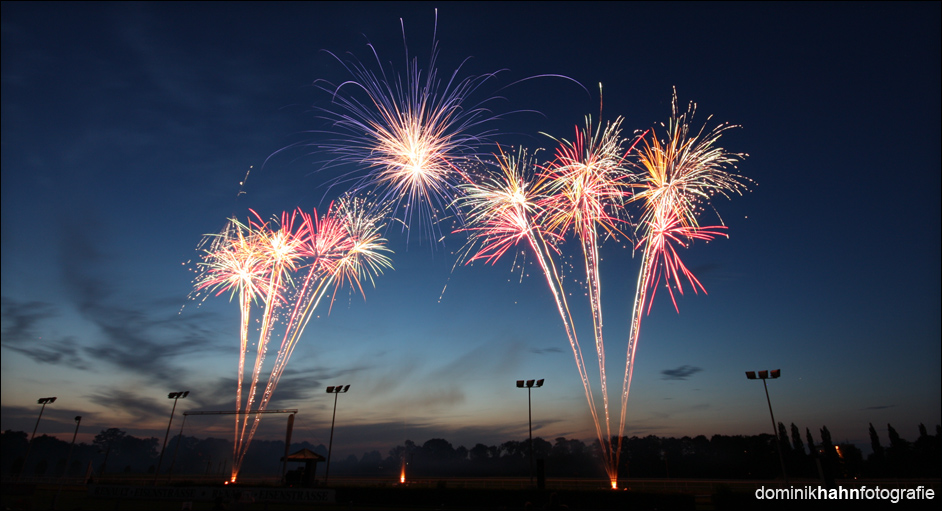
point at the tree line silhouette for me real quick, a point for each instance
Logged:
(721, 457)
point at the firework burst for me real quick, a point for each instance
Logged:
(365, 258)
(505, 210)
(257, 260)
(583, 192)
(677, 177)
(588, 184)
(408, 131)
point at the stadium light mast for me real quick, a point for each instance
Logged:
(175, 396)
(336, 391)
(529, 384)
(765, 375)
(43, 401)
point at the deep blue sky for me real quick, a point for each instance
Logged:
(126, 129)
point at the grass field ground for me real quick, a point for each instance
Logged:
(457, 494)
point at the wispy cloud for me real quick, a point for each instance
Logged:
(143, 340)
(24, 331)
(879, 407)
(21, 318)
(681, 373)
(142, 407)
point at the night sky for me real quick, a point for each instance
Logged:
(127, 129)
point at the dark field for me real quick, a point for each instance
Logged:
(470, 494)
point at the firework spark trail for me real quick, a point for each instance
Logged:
(279, 247)
(502, 212)
(408, 132)
(324, 240)
(588, 185)
(234, 263)
(346, 247)
(660, 261)
(283, 248)
(256, 260)
(678, 178)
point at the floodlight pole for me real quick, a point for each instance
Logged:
(529, 385)
(78, 420)
(43, 401)
(764, 376)
(336, 391)
(175, 396)
(530, 427)
(284, 464)
(176, 449)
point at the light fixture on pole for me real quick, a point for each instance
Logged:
(175, 396)
(529, 384)
(336, 391)
(765, 375)
(43, 401)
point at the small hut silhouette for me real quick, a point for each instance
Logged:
(303, 476)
